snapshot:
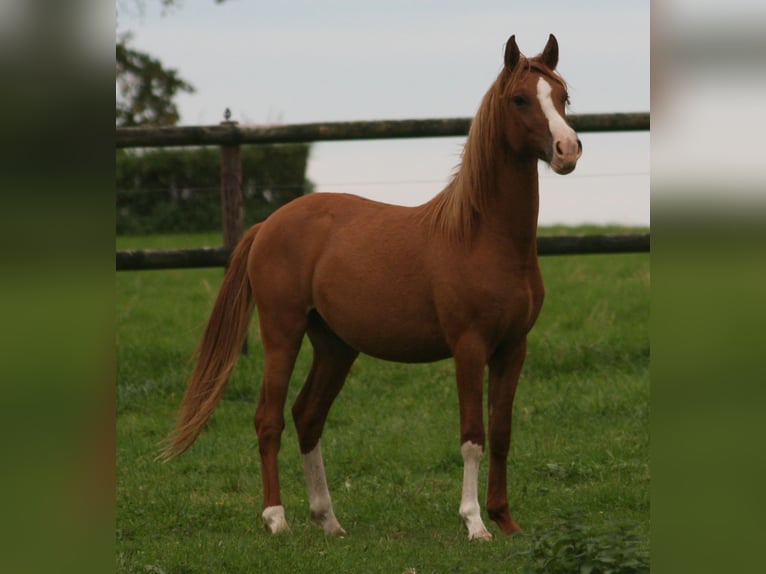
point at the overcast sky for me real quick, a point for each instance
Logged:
(309, 61)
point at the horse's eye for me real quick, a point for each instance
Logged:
(519, 100)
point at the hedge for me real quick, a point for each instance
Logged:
(178, 190)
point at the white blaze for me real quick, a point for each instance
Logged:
(566, 147)
(558, 126)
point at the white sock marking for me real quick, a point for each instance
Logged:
(320, 503)
(469, 503)
(316, 480)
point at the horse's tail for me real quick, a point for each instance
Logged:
(217, 352)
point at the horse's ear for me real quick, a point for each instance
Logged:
(512, 53)
(551, 52)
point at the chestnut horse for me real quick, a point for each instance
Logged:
(456, 277)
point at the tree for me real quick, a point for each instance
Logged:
(146, 90)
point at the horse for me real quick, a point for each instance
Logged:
(455, 277)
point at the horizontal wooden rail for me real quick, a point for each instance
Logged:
(593, 244)
(135, 260)
(333, 131)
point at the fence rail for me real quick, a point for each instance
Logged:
(134, 260)
(230, 135)
(234, 134)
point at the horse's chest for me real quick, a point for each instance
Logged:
(525, 299)
(496, 303)
(509, 306)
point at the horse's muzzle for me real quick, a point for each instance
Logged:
(566, 152)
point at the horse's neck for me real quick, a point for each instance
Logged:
(492, 198)
(511, 204)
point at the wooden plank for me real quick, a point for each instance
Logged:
(334, 131)
(218, 256)
(134, 260)
(593, 244)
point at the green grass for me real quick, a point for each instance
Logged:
(580, 438)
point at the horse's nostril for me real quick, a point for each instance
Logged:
(579, 146)
(558, 148)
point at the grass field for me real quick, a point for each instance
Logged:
(578, 470)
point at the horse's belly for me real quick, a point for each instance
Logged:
(394, 331)
(403, 349)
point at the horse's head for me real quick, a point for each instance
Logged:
(534, 99)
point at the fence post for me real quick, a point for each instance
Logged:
(232, 202)
(232, 210)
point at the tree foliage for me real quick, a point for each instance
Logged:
(146, 89)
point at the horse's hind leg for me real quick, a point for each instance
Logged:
(504, 371)
(332, 361)
(282, 335)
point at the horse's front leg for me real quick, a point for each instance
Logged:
(504, 370)
(470, 359)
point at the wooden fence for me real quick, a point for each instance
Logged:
(230, 135)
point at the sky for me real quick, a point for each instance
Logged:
(310, 61)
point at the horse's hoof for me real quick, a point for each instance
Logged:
(474, 524)
(511, 528)
(337, 531)
(274, 520)
(481, 536)
(504, 520)
(328, 523)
